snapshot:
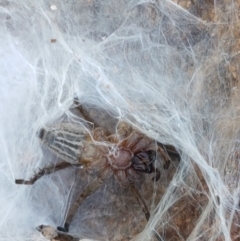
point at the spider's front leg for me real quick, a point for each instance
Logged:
(91, 188)
(45, 171)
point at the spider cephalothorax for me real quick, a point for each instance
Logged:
(125, 155)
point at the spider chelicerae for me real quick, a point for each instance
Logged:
(125, 154)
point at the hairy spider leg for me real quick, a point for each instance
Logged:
(91, 188)
(163, 152)
(173, 153)
(45, 171)
(50, 233)
(157, 174)
(152, 158)
(141, 201)
(84, 112)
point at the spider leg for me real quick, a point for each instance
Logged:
(50, 233)
(151, 168)
(84, 112)
(44, 171)
(141, 201)
(173, 153)
(157, 174)
(91, 188)
(163, 152)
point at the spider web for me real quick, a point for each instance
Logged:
(168, 67)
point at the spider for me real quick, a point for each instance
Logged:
(126, 155)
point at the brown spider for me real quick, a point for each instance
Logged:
(125, 155)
